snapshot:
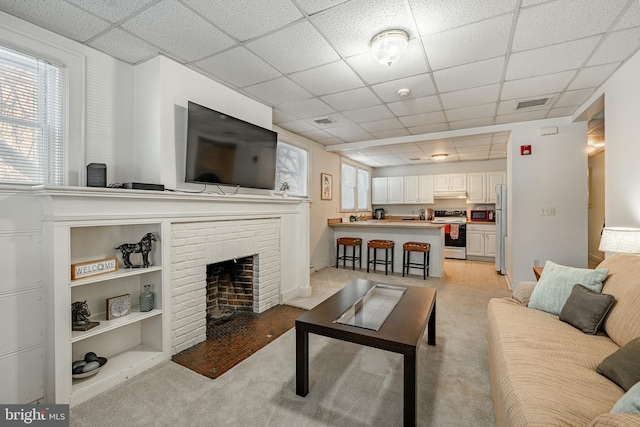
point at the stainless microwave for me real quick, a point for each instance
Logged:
(481, 215)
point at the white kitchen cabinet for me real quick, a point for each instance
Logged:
(418, 189)
(450, 182)
(481, 240)
(481, 186)
(387, 190)
(493, 179)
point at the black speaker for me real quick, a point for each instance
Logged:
(96, 175)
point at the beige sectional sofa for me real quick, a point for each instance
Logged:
(543, 370)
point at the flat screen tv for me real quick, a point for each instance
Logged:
(225, 150)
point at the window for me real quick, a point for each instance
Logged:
(31, 139)
(355, 188)
(291, 167)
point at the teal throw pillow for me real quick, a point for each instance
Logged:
(629, 403)
(557, 281)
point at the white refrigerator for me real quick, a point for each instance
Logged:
(501, 228)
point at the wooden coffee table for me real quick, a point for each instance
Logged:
(401, 332)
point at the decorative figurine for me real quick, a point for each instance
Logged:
(80, 316)
(142, 247)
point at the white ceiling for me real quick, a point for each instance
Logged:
(468, 64)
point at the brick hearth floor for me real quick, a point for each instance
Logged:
(231, 342)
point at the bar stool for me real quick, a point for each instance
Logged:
(353, 242)
(409, 247)
(380, 244)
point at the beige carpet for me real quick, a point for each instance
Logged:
(350, 385)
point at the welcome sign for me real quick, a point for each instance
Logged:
(93, 268)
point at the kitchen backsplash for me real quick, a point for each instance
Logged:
(414, 210)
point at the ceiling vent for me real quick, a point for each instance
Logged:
(532, 103)
(324, 121)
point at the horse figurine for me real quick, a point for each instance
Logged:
(142, 247)
(80, 314)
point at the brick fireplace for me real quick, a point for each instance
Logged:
(195, 245)
(229, 287)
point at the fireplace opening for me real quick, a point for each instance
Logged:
(229, 289)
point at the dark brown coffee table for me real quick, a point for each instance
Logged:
(401, 333)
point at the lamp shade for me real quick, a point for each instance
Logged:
(619, 239)
(389, 46)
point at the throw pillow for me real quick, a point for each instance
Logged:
(623, 366)
(586, 309)
(522, 292)
(556, 283)
(629, 403)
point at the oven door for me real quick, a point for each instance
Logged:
(455, 235)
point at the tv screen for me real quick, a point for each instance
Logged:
(222, 149)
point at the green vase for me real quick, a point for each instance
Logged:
(147, 299)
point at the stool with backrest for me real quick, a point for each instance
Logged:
(387, 245)
(353, 242)
(409, 247)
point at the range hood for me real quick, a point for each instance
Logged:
(450, 195)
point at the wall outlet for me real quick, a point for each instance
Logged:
(548, 211)
(536, 263)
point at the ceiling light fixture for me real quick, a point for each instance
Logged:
(404, 92)
(441, 156)
(389, 46)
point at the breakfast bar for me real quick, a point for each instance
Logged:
(400, 232)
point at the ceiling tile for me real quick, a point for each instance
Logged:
(561, 21)
(410, 149)
(310, 48)
(232, 16)
(413, 106)
(469, 97)
(440, 127)
(617, 47)
(473, 141)
(473, 123)
(550, 59)
(112, 10)
(424, 119)
(281, 116)
(475, 112)
(306, 108)
(382, 125)
(440, 15)
(411, 64)
(314, 6)
(519, 117)
(332, 141)
(501, 137)
(329, 78)
(631, 18)
(352, 99)
(471, 75)
(420, 85)
(391, 133)
(483, 40)
(124, 46)
(474, 156)
(238, 66)
(315, 135)
(368, 114)
(534, 86)
(562, 112)
(350, 26)
(178, 30)
(574, 97)
(438, 146)
(298, 126)
(60, 17)
(346, 130)
(593, 76)
(278, 91)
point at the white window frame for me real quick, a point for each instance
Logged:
(24, 37)
(358, 187)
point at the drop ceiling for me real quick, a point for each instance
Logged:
(468, 65)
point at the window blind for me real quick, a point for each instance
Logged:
(291, 167)
(31, 120)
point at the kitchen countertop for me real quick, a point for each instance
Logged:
(387, 223)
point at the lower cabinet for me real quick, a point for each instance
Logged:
(481, 240)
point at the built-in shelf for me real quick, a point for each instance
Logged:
(107, 325)
(115, 275)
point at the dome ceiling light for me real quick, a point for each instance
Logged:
(389, 46)
(439, 156)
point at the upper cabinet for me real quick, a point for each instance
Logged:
(387, 190)
(418, 189)
(450, 182)
(481, 186)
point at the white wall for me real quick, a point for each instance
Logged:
(596, 205)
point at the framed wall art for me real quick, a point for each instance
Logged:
(326, 186)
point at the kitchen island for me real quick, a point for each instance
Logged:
(400, 232)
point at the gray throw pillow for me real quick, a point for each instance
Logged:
(586, 309)
(556, 283)
(629, 403)
(623, 366)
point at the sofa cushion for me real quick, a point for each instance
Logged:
(522, 292)
(556, 283)
(623, 366)
(629, 403)
(623, 321)
(586, 309)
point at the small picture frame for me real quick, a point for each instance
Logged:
(326, 186)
